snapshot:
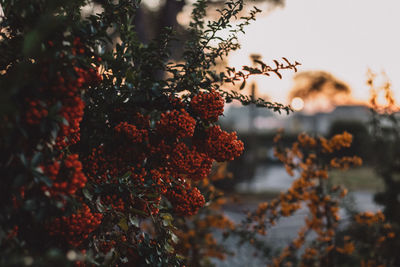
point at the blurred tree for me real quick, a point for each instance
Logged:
(385, 126)
(321, 85)
(387, 162)
(165, 13)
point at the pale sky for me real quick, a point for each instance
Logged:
(343, 37)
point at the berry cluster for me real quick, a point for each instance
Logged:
(96, 166)
(176, 123)
(13, 232)
(148, 205)
(72, 111)
(105, 164)
(106, 246)
(36, 112)
(67, 177)
(77, 227)
(164, 154)
(63, 87)
(160, 179)
(115, 202)
(130, 132)
(190, 162)
(221, 145)
(208, 106)
(56, 102)
(185, 201)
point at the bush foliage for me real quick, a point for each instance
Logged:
(94, 143)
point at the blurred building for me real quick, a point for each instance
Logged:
(246, 119)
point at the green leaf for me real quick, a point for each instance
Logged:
(174, 238)
(36, 159)
(23, 160)
(99, 206)
(31, 43)
(123, 224)
(138, 211)
(166, 219)
(30, 204)
(134, 220)
(42, 178)
(20, 180)
(87, 194)
(168, 248)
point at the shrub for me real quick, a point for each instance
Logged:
(99, 154)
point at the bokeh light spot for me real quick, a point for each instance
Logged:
(297, 103)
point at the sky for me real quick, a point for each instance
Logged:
(343, 37)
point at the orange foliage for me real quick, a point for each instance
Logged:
(390, 105)
(310, 158)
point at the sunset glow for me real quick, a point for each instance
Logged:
(342, 37)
